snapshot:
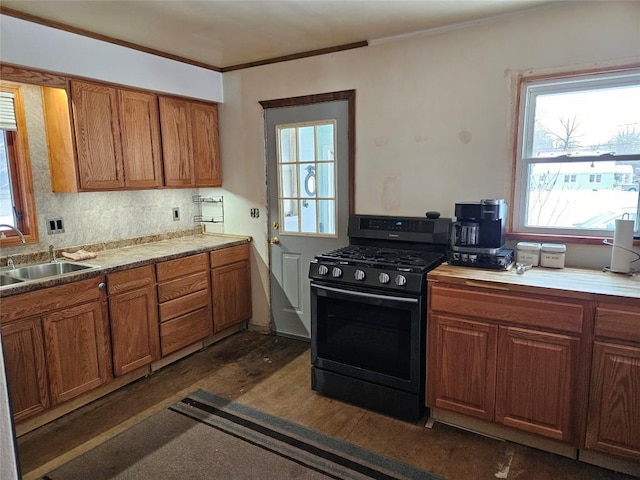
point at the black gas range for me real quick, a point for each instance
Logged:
(368, 312)
(386, 253)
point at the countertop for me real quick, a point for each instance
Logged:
(568, 282)
(133, 256)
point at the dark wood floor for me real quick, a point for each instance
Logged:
(272, 374)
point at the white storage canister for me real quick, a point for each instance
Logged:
(552, 255)
(528, 253)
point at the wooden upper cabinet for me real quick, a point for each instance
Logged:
(206, 144)
(140, 132)
(97, 134)
(176, 143)
(190, 143)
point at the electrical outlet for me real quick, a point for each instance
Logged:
(55, 225)
(176, 214)
(255, 213)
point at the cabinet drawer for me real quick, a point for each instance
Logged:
(131, 279)
(183, 286)
(229, 255)
(184, 304)
(181, 266)
(50, 299)
(508, 307)
(618, 320)
(185, 330)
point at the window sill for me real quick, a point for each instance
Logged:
(549, 238)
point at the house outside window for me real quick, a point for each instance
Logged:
(578, 153)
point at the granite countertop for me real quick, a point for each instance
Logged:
(133, 256)
(567, 282)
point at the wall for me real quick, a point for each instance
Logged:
(434, 114)
(44, 48)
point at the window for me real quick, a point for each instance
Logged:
(578, 156)
(17, 206)
(306, 178)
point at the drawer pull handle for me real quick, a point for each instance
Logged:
(102, 286)
(471, 283)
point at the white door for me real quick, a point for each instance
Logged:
(308, 182)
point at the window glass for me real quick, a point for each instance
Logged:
(6, 195)
(578, 167)
(306, 173)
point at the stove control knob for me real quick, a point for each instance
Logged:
(383, 278)
(401, 280)
(336, 272)
(323, 270)
(359, 275)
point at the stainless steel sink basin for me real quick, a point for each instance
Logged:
(42, 270)
(6, 280)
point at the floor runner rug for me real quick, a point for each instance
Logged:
(209, 437)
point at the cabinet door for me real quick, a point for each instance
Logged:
(613, 423)
(77, 350)
(536, 382)
(206, 144)
(462, 366)
(97, 133)
(140, 131)
(177, 143)
(135, 334)
(25, 364)
(231, 289)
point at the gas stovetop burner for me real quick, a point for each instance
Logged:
(389, 257)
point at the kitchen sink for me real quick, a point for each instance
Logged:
(41, 270)
(7, 280)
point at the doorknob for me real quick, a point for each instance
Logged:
(274, 241)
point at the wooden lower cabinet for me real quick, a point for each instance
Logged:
(464, 366)
(56, 343)
(27, 378)
(133, 313)
(537, 374)
(504, 365)
(230, 286)
(613, 421)
(77, 350)
(184, 297)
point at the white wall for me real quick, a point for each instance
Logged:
(434, 114)
(45, 48)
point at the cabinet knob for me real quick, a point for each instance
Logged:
(102, 286)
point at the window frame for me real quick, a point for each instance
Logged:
(21, 176)
(525, 124)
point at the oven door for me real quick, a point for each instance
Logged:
(368, 335)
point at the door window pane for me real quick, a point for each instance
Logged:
(306, 172)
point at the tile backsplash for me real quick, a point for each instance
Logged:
(93, 217)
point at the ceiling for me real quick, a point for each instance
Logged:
(228, 34)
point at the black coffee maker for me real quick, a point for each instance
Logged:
(478, 235)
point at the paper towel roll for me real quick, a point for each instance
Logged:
(621, 253)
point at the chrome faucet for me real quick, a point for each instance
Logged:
(10, 262)
(15, 230)
(52, 254)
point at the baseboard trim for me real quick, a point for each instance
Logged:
(618, 464)
(501, 432)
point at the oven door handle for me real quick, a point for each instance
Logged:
(366, 295)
